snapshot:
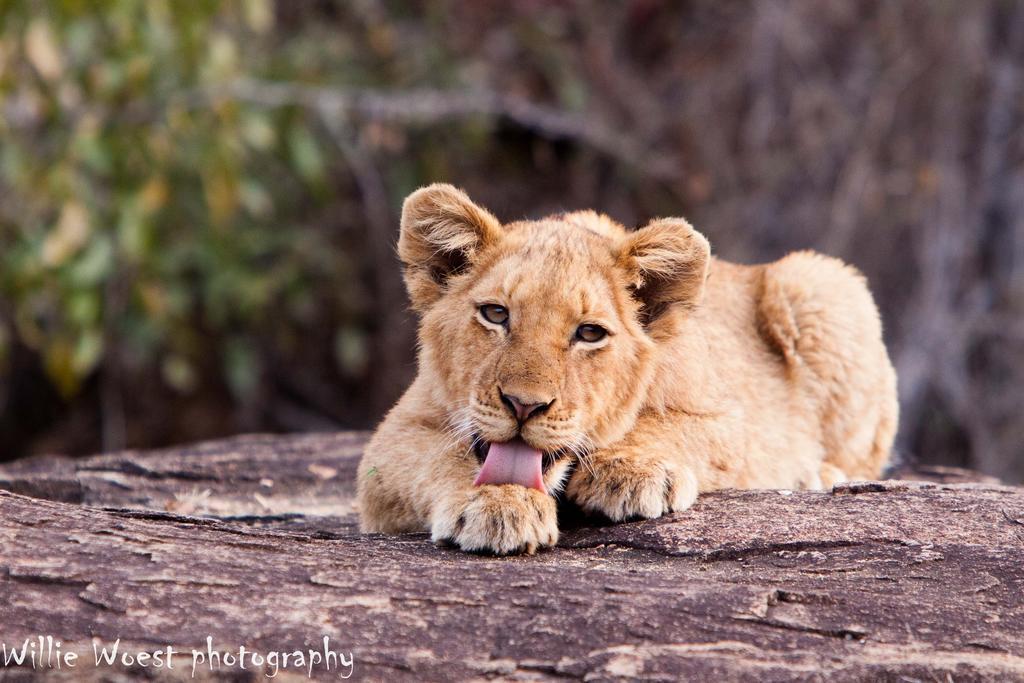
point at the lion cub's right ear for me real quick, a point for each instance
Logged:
(442, 231)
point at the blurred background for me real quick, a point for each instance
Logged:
(199, 201)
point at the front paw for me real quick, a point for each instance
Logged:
(504, 520)
(623, 487)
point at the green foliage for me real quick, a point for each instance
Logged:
(142, 205)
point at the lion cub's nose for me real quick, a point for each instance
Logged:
(520, 409)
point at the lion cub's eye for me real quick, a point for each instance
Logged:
(493, 313)
(590, 333)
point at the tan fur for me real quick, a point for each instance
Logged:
(714, 375)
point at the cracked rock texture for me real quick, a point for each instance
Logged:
(253, 541)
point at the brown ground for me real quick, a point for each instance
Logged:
(252, 541)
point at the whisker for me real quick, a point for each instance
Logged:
(458, 427)
(582, 447)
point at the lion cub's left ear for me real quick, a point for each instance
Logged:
(442, 231)
(668, 262)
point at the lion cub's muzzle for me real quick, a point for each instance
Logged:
(511, 454)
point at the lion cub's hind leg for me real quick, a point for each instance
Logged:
(818, 314)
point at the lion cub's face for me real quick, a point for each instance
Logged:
(544, 331)
(540, 339)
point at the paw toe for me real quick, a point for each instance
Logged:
(504, 520)
(622, 490)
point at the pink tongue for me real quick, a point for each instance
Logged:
(512, 462)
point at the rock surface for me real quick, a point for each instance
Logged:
(252, 541)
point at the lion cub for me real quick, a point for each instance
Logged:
(629, 369)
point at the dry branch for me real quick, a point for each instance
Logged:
(426, 106)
